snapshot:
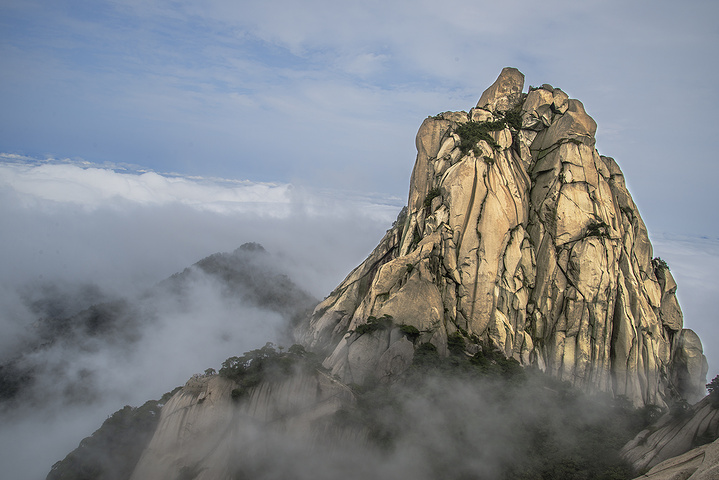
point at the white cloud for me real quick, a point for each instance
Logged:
(94, 188)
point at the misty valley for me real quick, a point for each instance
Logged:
(55, 361)
(453, 416)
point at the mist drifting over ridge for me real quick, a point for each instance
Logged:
(107, 246)
(76, 235)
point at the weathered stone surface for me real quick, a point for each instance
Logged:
(673, 435)
(560, 101)
(701, 463)
(428, 144)
(197, 434)
(573, 125)
(533, 245)
(481, 115)
(395, 360)
(504, 92)
(690, 365)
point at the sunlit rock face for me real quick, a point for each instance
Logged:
(520, 237)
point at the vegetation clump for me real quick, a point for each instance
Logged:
(659, 264)
(409, 331)
(471, 133)
(513, 117)
(373, 324)
(431, 195)
(713, 388)
(598, 229)
(455, 343)
(250, 369)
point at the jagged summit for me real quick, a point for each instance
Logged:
(505, 92)
(518, 236)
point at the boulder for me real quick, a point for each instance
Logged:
(504, 92)
(701, 463)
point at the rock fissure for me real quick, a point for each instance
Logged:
(575, 296)
(468, 212)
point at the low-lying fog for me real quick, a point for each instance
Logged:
(73, 236)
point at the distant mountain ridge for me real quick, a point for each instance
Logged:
(248, 274)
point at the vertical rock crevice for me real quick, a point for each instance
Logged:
(526, 240)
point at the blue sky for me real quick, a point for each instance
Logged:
(327, 93)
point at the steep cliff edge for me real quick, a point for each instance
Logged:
(520, 237)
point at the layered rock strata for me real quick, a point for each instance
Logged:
(518, 236)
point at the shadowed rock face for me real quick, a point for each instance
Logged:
(701, 463)
(524, 239)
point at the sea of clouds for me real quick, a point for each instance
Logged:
(76, 233)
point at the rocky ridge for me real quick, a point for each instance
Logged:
(701, 463)
(518, 236)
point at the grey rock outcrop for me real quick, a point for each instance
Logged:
(504, 92)
(518, 236)
(673, 435)
(202, 430)
(701, 463)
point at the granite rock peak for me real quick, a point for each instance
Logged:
(518, 236)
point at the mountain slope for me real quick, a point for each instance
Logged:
(61, 360)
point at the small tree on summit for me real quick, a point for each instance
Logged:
(713, 388)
